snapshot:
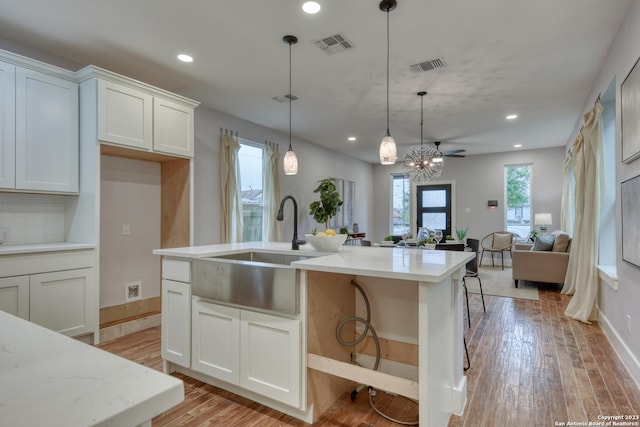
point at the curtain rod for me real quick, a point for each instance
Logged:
(228, 132)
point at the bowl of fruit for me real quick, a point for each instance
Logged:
(326, 241)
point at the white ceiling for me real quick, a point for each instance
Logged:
(538, 59)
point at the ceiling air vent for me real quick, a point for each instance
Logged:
(433, 64)
(333, 44)
(284, 98)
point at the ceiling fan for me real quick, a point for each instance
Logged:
(452, 153)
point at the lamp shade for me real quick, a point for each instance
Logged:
(290, 163)
(388, 154)
(542, 219)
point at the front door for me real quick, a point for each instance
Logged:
(434, 207)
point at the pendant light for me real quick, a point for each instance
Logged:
(422, 164)
(388, 153)
(290, 160)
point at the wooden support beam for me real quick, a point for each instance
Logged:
(376, 379)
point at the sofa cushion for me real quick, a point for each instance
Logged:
(543, 243)
(561, 242)
(501, 240)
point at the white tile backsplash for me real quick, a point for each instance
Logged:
(33, 218)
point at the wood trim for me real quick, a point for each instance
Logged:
(331, 298)
(390, 350)
(174, 203)
(116, 314)
(376, 379)
(133, 153)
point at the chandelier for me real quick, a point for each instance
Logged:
(423, 163)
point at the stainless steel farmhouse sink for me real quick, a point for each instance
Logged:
(263, 280)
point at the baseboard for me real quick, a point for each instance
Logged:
(459, 397)
(126, 328)
(629, 360)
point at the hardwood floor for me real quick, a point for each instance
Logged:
(530, 366)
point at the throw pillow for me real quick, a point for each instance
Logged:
(561, 242)
(501, 240)
(543, 243)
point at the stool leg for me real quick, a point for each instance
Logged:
(466, 296)
(466, 368)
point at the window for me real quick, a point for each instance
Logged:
(251, 186)
(400, 210)
(518, 195)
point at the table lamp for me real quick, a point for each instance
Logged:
(542, 219)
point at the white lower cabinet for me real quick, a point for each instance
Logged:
(270, 356)
(216, 346)
(14, 296)
(63, 301)
(259, 352)
(176, 322)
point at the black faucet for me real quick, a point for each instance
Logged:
(294, 242)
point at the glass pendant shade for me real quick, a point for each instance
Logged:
(388, 153)
(290, 162)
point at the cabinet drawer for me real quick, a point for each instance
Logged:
(178, 270)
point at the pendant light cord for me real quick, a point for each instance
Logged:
(290, 96)
(387, 70)
(421, 120)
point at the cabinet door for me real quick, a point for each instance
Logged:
(270, 356)
(63, 301)
(47, 145)
(7, 125)
(172, 128)
(124, 115)
(216, 331)
(14, 296)
(176, 322)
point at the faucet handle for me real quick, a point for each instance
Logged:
(301, 241)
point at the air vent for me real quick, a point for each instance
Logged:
(335, 43)
(284, 98)
(433, 64)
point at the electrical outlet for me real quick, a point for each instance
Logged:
(126, 229)
(628, 324)
(133, 291)
(5, 234)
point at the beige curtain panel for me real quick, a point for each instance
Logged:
(272, 228)
(230, 196)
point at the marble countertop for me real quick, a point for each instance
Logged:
(49, 379)
(43, 247)
(395, 263)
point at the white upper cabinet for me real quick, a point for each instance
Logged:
(38, 127)
(136, 115)
(172, 128)
(47, 149)
(124, 115)
(7, 125)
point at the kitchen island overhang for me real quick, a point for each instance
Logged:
(427, 281)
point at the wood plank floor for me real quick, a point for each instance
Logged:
(530, 366)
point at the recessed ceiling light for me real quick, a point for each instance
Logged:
(512, 116)
(185, 58)
(352, 138)
(311, 7)
(517, 145)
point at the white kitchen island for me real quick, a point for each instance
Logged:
(416, 300)
(48, 379)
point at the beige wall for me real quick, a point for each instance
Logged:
(129, 194)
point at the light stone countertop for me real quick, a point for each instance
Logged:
(7, 249)
(394, 263)
(49, 379)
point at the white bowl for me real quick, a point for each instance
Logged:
(326, 243)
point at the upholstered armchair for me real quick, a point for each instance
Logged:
(545, 262)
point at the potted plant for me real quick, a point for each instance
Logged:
(427, 243)
(327, 207)
(323, 210)
(462, 234)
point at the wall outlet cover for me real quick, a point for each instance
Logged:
(132, 291)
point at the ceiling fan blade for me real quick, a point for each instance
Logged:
(454, 155)
(454, 151)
